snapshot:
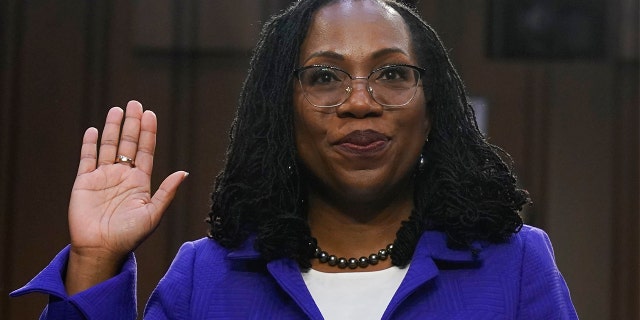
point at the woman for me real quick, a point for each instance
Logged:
(357, 184)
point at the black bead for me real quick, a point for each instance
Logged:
(323, 256)
(382, 254)
(353, 263)
(373, 259)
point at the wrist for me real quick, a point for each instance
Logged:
(87, 269)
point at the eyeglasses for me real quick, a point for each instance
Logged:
(390, 86)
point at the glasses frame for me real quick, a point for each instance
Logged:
(349, 88)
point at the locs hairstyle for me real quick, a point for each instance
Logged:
(465, 188)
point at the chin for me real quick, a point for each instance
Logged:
(371, 188)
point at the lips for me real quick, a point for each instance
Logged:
(363, 142)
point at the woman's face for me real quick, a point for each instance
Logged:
(359, 150)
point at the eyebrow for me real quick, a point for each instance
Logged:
(326, 54)
(337, 56)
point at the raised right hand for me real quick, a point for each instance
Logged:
(112, 210)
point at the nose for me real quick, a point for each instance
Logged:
(359, 103)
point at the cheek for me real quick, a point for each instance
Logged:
(419, 120)
(310, 124)
(308, 133)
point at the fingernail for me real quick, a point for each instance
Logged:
(186, 174)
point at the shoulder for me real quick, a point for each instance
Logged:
(181, 283)
(543, 291)
(531, 254)
(201, 251)
(529, 248)
(193, 260)
(517, 277)
(207, 254)
(526, 239)
(203, 246)
(529, 241)
(530, 234)
(534, 244)
(529, 245)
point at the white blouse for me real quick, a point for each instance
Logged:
(354, 295)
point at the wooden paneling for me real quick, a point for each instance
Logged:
(626, 193)
(626, 173)
(45, 118)
(11, 31)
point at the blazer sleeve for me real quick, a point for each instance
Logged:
(543, 292)
(171, 299)
(112, 299)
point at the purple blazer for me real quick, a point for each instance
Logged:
(514, 280)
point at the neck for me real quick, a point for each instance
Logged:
(356, 229)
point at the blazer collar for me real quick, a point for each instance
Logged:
(432, 244)
(431, 256)
(245, 251)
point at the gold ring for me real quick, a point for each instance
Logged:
(126, 160)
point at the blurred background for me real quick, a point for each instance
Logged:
(555, 84)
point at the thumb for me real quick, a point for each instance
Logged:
(167, 191)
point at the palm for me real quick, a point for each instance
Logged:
(112, 209)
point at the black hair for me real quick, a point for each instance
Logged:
(465, 188)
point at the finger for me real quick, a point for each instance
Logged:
(88, 151)
(130, 130)
(110, 135)
(167, 190)
(147, 142)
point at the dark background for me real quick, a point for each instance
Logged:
(567, 111)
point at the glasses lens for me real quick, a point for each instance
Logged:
(391, 86)
(394, 85)
(323, 86)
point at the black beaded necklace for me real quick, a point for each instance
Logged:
(353, 263)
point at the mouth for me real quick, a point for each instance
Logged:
(363, 142)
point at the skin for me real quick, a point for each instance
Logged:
(360, 190)
(112, 210)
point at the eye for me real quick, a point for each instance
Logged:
(320, 76)
(392, 73)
